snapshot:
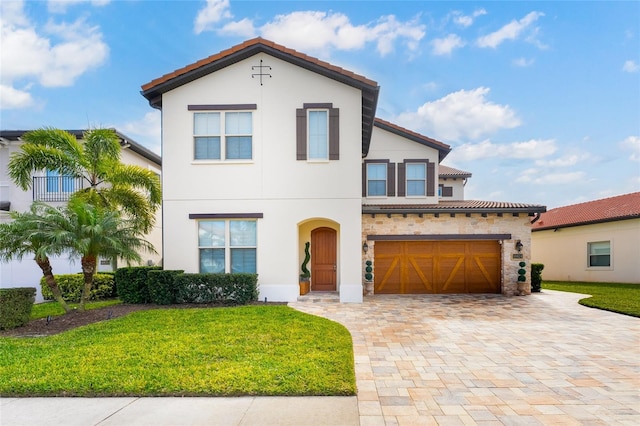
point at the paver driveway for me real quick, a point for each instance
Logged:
(489, 359)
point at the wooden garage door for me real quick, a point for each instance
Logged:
(408, 267)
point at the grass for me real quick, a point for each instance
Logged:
(43, 310)
(248, 350)
(614, 297)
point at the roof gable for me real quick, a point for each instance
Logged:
(153, 90)
(442, 148)
(450, 172)
(605, 210)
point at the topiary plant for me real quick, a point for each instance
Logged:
(307, 256)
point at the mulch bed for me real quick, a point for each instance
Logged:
(44, 327)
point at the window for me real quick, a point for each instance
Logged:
(376, 180)
(227, 246)
(59, 183)
(318, 134)
(210, 143)
(599, 254)
(416, 179)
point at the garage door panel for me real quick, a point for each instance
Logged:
(437, 267)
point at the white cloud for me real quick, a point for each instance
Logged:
(55, 55)
(630, 66)
(147, 130)
(319, 31)
(531, 149)
(463, 114)
(512, 31)
(632, 143)
(212, 13)
(60, 6)
(541, 177)
(467, 20)
(523, 62)
(11, 98)
(565, 161)
(444, 46)
(243, 28)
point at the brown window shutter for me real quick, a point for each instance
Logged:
(391, 180)
(431, 179)
(447, 191)
(401, 180)
(364, 179)
(301, 134)
(334, 133)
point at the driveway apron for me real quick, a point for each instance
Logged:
(490, 360)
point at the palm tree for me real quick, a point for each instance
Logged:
(27, 234)
(90, 232)
(110, 184)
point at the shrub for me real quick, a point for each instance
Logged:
(536, 276)
(71, 287)
(235, 289)
(15, 306)
(161, 284)
(131, 283)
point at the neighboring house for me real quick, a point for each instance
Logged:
(48, 186)
(596, 241)
(266, 149)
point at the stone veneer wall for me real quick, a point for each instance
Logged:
(519, 228)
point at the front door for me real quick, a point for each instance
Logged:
(323, 259)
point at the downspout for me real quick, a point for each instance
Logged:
(535, 219)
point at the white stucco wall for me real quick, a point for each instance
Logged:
(389, 146)
(564, 252)
(286, 191)
(457, 185)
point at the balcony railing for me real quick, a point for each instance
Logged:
(55, 188)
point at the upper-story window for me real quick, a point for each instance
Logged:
(212, 143)
(318, 132)
(416, 179)
(376, 180)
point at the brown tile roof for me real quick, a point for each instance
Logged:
(605, 210)
(446, 171)
(462, 206)
(442, 148)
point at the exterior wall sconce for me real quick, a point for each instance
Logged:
(519, 245)
(365, 247)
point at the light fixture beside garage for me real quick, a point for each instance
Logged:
(365, 247)
(519, 245)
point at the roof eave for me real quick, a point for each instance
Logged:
(442, 151)
(589, 222)
(530, 210)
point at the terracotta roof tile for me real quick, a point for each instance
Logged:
(604, 210)
(461, 206)
(446, 171)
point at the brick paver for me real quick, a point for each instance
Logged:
(490, 360)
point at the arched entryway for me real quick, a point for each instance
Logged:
(323, 259)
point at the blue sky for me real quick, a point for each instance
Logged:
(539, 100)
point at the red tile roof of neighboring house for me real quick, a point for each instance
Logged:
(461, 206)
(446, 171)
(442, 148)
(605, 210)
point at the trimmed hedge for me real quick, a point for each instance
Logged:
(536, 277)
(233, 289)
(131, 283)
(15, 306)
(71, 287)
(162, 287)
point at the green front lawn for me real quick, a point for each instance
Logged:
(615, 297)
(247, 350)
(43, 310)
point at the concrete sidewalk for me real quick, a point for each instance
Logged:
(298, 411)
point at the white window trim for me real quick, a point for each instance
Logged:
(386, 179)
(406, 181)
(600, 268)
(223, 140)
(227, 242)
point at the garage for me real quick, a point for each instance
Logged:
(437, 267)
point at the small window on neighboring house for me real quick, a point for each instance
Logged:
(318, 132)
(416, 174)
(211, 144)
(599, 254)
(227, 246)
(376, 180)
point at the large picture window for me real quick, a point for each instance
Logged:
(227, 246)
(599, 254)
(211, 143)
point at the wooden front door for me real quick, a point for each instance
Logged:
(323, 259)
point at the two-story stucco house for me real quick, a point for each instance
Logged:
(266, 149)
(54, 189)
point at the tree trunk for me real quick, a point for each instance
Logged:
(89, 263)
(50, 280)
